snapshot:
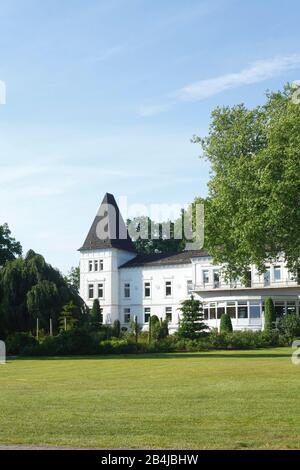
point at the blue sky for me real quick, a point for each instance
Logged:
(104, 95)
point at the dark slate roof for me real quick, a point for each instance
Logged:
(165, 259)
(115, 234)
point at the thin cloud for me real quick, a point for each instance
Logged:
(257, 72)
(108, 53)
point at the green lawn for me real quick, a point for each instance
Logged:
(236, 400)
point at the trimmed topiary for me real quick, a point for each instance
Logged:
(225, 324)
(270, 316)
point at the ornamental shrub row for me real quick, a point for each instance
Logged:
(82, 342)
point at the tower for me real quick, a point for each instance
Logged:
(106, 247)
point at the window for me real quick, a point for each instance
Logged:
(101, 265)
(168, 288)
(147, 313)
(189, 287)
(127, 315)
(101, 290)
(169, 314)
(96, 265)
(242, 310)
(212, 311)
(205, 277)
(147, 289)
(291, 308)
(231, 309)
(216, 278)
(279, 309)
(254, 310)
(205, 311)
(248, 279)
(220, 310)
(277, 273)
(91, 291)
(267, 277)
(90, 265)
(127, 290)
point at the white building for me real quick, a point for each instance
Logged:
(129, 285)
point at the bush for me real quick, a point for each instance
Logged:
(270, 316)
(116, 328)
(20, 343)
(289, 326)
(225, 324)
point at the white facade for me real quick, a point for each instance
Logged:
(159, 290)
(128, 285)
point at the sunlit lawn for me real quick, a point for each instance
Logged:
(247, 399)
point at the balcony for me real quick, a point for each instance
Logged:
(222, 286)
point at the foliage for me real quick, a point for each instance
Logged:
(69, 317)
(116, 326)
(252, 213)
(150, 237)
(73, 278)
(31, 288)
(9, 247)
(269, 314)
(289, 325)
(191, 323)
(225, 323)
(96, 315)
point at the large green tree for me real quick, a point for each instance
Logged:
(31, 288)
(9, 247)
(252, 213)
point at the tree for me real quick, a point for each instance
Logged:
(96, 315)
(270, 316)
(191, 324)
(73, 278)
(116, 326)
(31, 288)
(252, 213)
(9, 247)
(69, 317)
(42, 303)
(225, 324)
(150, 237)
(289, 325)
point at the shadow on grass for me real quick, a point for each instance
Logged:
(182, 355)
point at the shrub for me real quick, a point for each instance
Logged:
(289, 326)
(116, 328)
(20, 342)
(270, 316)
(191, 324)
(225, 323)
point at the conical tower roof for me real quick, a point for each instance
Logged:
(108, 229)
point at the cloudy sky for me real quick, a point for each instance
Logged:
(105, 95)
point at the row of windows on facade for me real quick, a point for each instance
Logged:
(96, 265)
(206, 275)
(244, 309)
(147, 314)
(127, 289)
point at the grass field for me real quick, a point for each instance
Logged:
(235, 400)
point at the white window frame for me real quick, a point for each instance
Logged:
(168, 285)
(103, 290)
(148, 287)
(91, 286)
(127, 287)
